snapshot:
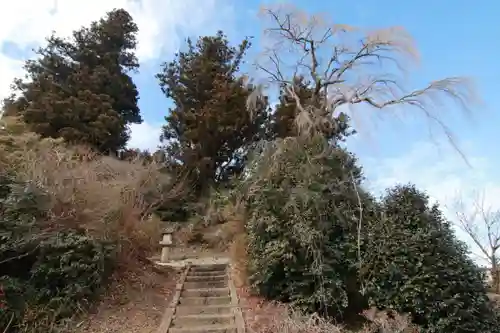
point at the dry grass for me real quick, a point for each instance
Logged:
(216, 228)
(270, 317)
(238, 254)
(107, 198)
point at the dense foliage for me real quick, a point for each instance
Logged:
(416, 265)
(303, 200)
(209, 128)
(57, 271)
(79, 89)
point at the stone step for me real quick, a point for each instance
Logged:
(194, 278)
(205, 284)
(207, 309)
(205, 292)
(207, 273)
(203, 320)
(204, 300)
(208, 268)
(204, 329)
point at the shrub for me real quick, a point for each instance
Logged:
(416, 265)
(59, 271)
(71, 269)
(303, 201)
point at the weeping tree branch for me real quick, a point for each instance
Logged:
(347, 66)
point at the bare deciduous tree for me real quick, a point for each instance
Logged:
(482, 225)
(348, 66)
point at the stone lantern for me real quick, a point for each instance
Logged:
(166, 243)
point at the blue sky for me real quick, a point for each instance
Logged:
(455, 38)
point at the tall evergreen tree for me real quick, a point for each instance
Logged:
(80, 89)
(209, 128)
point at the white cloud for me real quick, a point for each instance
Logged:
(9, 69)
(162, 24)
(439, 169)
(145, 136)
(442, 173)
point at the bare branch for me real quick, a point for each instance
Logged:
(482, 225)
(348, 66)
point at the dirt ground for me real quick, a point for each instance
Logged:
(136, 305)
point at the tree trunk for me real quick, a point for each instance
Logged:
(495, 275)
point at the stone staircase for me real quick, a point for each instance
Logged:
(205, 302)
